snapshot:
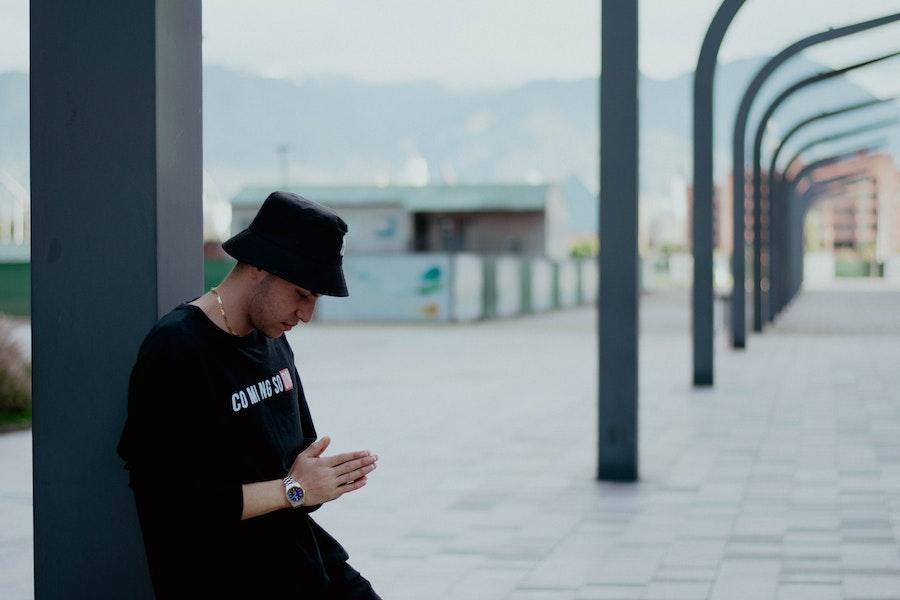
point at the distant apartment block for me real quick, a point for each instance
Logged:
(861, 212)
(722, 209)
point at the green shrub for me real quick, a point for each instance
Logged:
(15, 374)
(584, 249)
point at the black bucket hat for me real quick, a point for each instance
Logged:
(296, 239)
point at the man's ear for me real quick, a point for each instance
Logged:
(253, 272)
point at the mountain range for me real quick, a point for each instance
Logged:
(323, 130)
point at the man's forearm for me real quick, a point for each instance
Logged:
(263, 497)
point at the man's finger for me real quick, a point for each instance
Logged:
(317, 447)
(352, 486)
(339, 459)
(355, 474)
(353, 465)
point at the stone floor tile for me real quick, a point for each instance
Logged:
(870, 556)
(543, 594)
(746, 580)
(872, 587)
(809, 591)
(686, 573)
(677, 590)
(485, 584)
(610, 592)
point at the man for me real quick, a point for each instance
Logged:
(219, 442)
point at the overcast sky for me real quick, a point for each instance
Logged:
(465, 43)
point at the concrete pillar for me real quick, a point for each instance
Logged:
(117, 241)
(618, 307)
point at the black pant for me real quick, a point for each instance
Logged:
(348, 584)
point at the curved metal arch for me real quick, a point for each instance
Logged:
(838, 180)
(777, 211)
(780, 279)
(758, 136)
(702, 227)
(773, 163)
(816, 192)
(760, 313)
(833, 137)
(799, 210)
(793, 226)
(820, 190)
(738, 314)
(791, 185)
(827, 188)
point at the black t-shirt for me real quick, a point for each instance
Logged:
(208, 412)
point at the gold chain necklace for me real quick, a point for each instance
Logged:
(222, 310)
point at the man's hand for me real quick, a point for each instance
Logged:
(324, 478)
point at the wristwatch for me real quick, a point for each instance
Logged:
(293, 491)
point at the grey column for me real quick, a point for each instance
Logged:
(117, 241)
(618, 300)
(702, 226)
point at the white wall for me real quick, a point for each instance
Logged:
(408, 287)
(541, 285)
(589, 276)
(467, 288)
(681, 269)
(892, 268)
(568, 283)
(403, 287)
(376, 229)
(509, 285)
(818, 268)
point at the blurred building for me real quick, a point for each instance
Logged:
(861, 212)
(722, 209)
(481, 218)
(662, 219)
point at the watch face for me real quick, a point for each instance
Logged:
(295, 494)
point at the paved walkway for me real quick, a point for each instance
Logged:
(782, 482)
